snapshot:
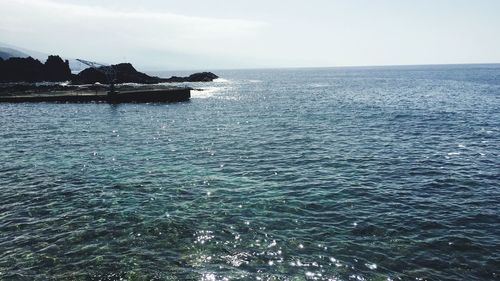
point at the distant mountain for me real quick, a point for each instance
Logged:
(6, 53)
(19, 52)
(10, 51)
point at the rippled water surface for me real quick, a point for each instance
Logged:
(310, 174)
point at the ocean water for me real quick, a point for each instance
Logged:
(386, 173)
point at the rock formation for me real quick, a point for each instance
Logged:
(21, 69)
(55, 70)
(90, 76)
(196, 77)
(32, 70)
(126, 73)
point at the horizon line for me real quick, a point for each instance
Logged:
(327, 67)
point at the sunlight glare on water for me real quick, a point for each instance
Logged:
(300, 174)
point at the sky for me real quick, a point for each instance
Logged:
(218, 34)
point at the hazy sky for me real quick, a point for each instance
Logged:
(200, 34)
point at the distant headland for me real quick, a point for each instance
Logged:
(56, 69)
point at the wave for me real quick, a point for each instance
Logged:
(222, 80)
(205, 93)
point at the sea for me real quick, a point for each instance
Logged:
(357, 173)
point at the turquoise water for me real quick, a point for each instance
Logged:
(306, 174)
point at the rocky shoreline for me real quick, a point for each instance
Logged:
(30, 70)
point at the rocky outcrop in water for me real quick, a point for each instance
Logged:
(32, 70)
(197, 77)
(119, 73)
(126, 73)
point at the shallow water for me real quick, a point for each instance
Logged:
(306, 174)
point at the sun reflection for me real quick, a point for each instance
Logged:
(203, 236)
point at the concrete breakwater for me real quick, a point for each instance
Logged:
(139, 96)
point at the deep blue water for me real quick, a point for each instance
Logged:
(295, 174)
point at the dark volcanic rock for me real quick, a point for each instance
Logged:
(120, 73)
(28, 69)
(21, 69)
(202, 77)
(196, 77)
(90, 76)
(56, 69)
(126, 73)
(32, 70)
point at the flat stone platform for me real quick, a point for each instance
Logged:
(137, 96)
